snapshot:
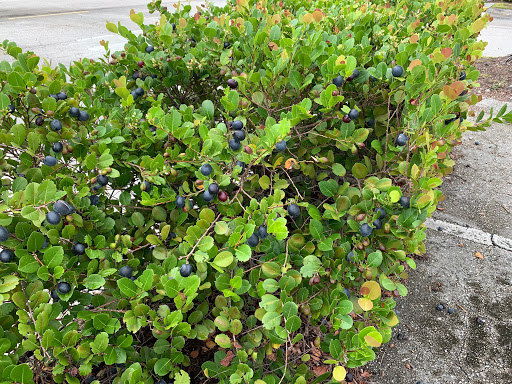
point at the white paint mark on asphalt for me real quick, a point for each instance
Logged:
(473, 234)
(502, 242)
(97, 37)
(46, 15)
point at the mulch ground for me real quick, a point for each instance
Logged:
(495, 78)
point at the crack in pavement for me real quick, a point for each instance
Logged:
(474, 234)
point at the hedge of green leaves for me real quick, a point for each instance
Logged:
(236, 197)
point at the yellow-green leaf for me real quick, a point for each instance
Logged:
(339, 373)
(365, 304)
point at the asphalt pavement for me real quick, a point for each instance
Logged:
(65, 31)
(497, 33)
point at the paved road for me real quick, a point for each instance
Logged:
(498, 32)
(64, 31)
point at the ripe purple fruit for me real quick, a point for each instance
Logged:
(150, 49)
(347, 119)
(213, 188)
(50, 161)
(63, 288)
(56, 125)
(381, 211)
(126, 271)
(237, 125)
(349, 377)
(180, 202)
(377, 224)
(185, 270)
(74, 112)
(57, 147)
(405, 201)
(353, 114)
(6, 256)
(206, 169)
(83, 116)
(253, 241)
(281, 146)
(139, 91)
(63, 208)
(94, 199)
(39, 121)
(4, 234)
(397, 71)
(369, 123)
(62, 96)
(53, 218)
(234, 145)
(401, 140)
(232, 83)
(145, 186)
(338, 81)
(262, 232)
(462, 75)
(293, 210)
(207, 196)
(365, 230)
(239, 135)
(102, 180)
(11, 108)
(78, 249)
(54, 295)
(240, 164)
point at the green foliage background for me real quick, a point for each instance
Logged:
(315, 286)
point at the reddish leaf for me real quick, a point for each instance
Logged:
(227, 360)
(447, 52)
(320, 370)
